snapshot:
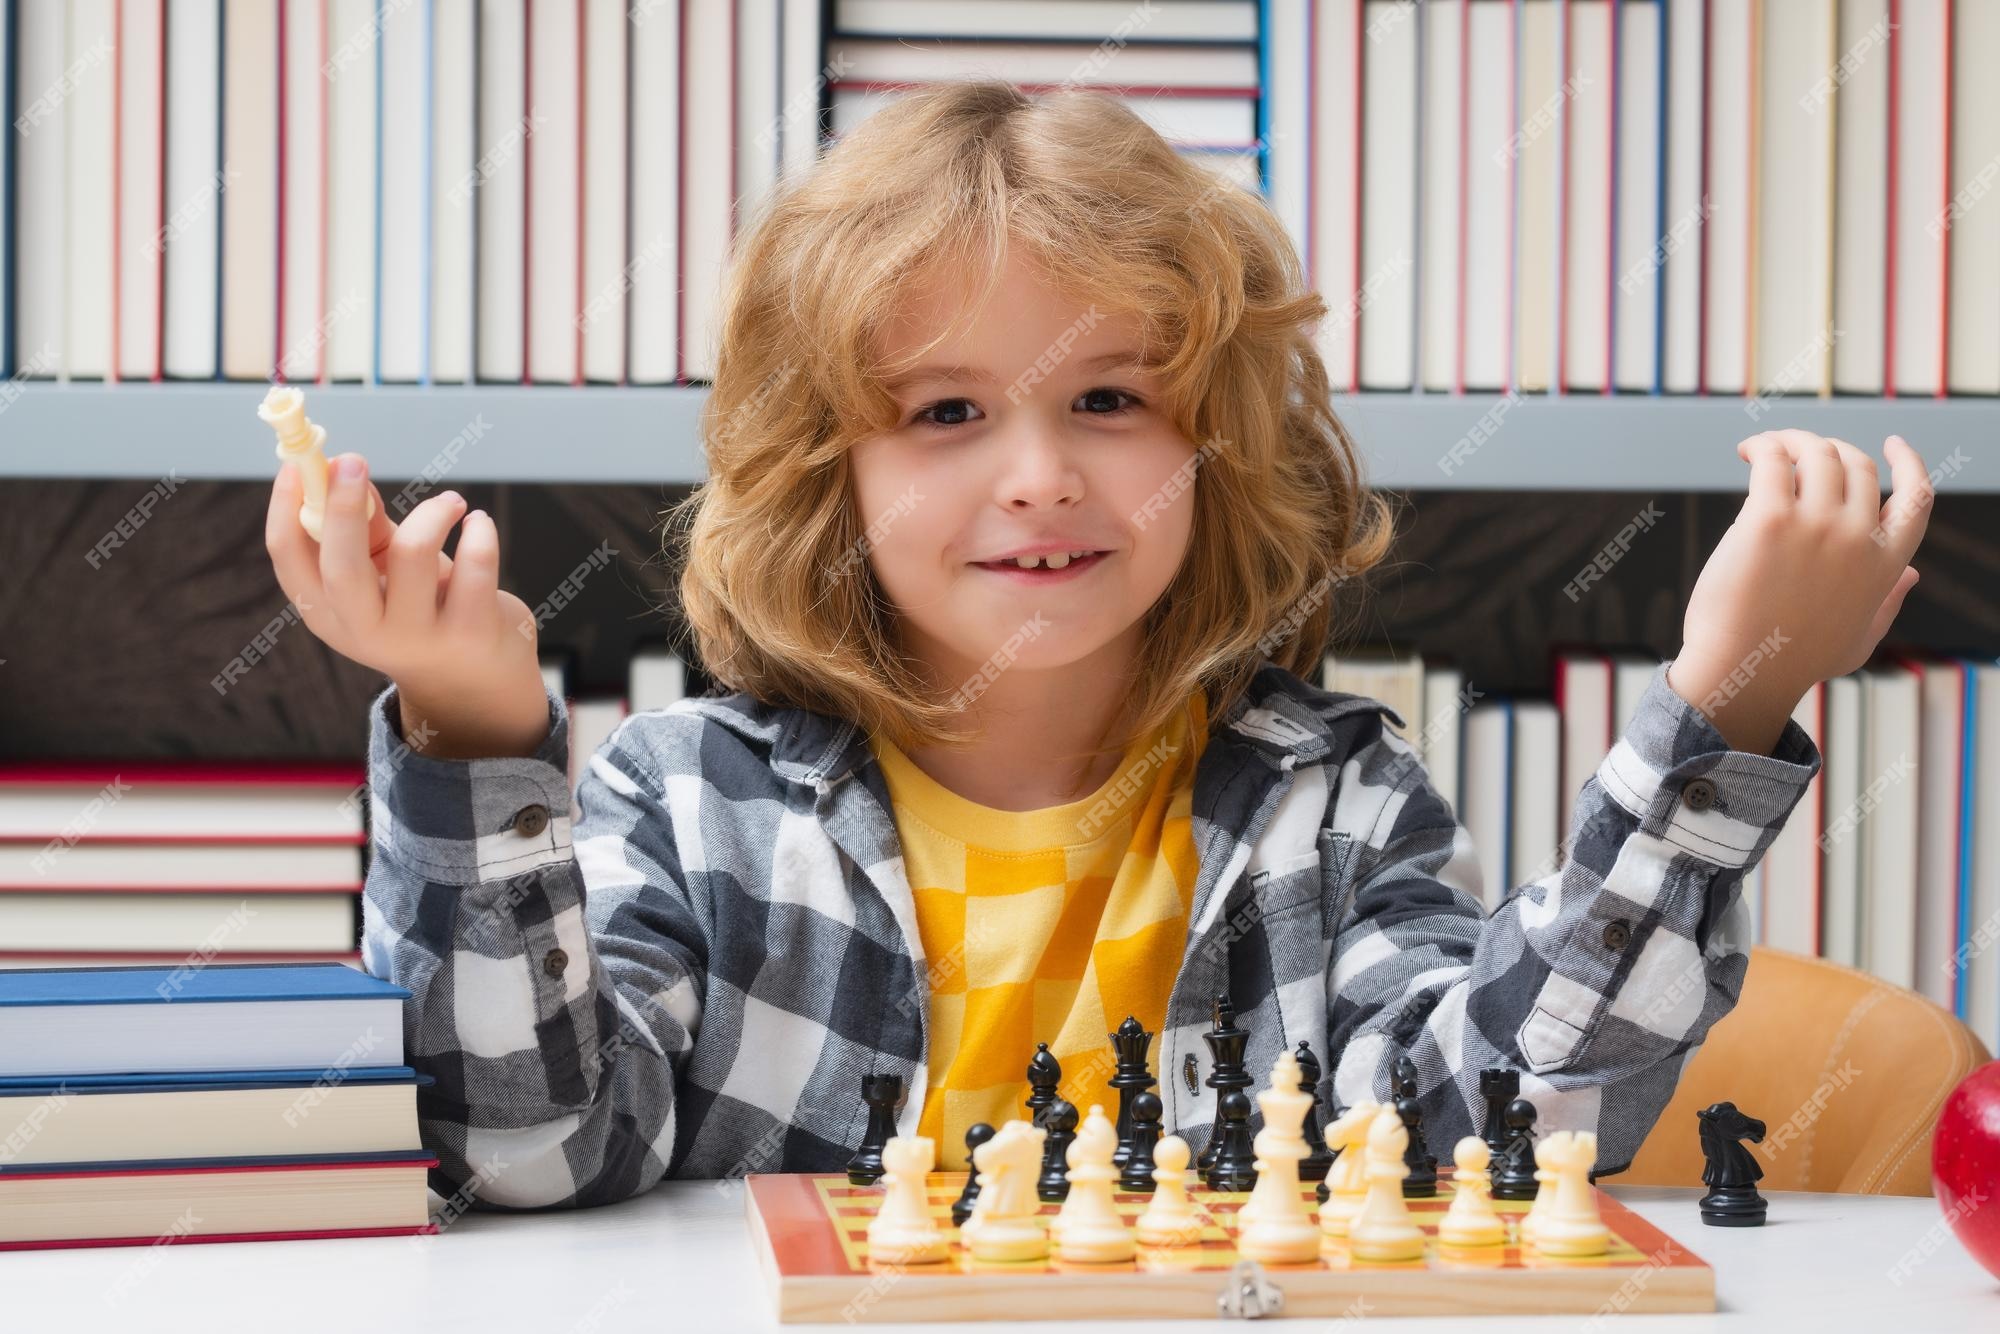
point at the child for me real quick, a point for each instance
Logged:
(956, 806)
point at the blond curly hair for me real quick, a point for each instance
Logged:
(772, 588)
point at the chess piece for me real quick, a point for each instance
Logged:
(1274, 1224)
(962, 1208)
(1137, 1176)
(1471, 1220)
(902, 1231)
(1383, 1229)
(1234, 1167)
(301, 443)
(883, 1094)
(1421, 1179)
(1514, 1171)
(1089, 1228)
(1059, 1119)
(1729, 1172)
(1225, 1046)
(1044, 1073)
(1170, 1218)
(1318, 1157)
(1544, 1196)
(1569, 1224)
(1498, 1085)
(1006, 1222)
(1130, 1044)
(1347, 1184)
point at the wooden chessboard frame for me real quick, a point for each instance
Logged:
(811, 1238)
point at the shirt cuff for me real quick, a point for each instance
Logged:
(1674, 773)
(461, 822)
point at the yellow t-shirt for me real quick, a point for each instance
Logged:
(1047, 926)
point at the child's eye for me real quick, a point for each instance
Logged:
(1131, 400)
(948, 406)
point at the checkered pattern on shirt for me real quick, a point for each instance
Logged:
(696, 978)
(1053, 943)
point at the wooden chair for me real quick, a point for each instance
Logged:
(1846, 1071)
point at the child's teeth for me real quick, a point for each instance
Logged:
(1057, 561)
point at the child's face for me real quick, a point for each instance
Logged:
(1014, 438)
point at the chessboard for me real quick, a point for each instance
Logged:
(811, 1236)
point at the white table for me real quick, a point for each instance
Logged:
(680, 1259)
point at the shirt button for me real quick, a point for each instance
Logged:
(530, 821)
(1617, 935)
(1699, 794)
(555, 961)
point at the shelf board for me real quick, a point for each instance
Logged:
(605, 434)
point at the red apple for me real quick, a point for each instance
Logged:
(1965, 1164)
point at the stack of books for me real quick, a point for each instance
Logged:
(184, 860)
(237, 1102)
(1889, 863)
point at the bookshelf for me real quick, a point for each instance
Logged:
(608, 435)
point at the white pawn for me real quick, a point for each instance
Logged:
(903, 1230)
(1170, 1217)
(1472, 1219)
(1347, 1180)
(1089, 1226)
(1384, 1229)
(1005, 1222)
(1570, 1225)
(1275, 1224)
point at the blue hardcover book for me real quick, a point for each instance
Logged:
(163, 1020)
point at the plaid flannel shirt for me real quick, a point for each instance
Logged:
(694, 980)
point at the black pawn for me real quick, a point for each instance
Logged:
(1499, 1086)
(1235, 1164)
(1137, 1175)
(962, 1209)
(1316, 1164)
(1514, 1170)
(1421, 1179)
(1060, 1121)
(883, 1094)
(1130, 1043)
(1044, 1073)
(1225, 1045)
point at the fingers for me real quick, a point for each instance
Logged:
(1907, 512)
(475, 581)
(1885, 615)
(346, 571)
(1822, 480)
(294, 555)
(411, 562)
(1772, 476)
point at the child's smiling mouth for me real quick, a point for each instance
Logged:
(1056, 567)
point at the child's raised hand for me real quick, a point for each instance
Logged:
(1804, 584)
(461, 650)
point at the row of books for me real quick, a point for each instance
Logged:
(1652, 196)
(184, 862)
(235, 1102)
(504, 191)
(1889, 863)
